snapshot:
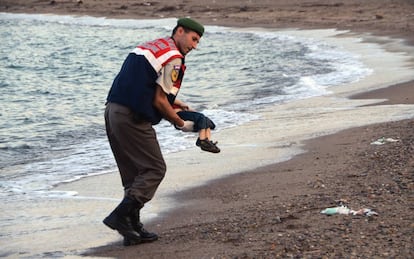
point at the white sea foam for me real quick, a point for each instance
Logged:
(57, 116)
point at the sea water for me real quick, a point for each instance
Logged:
(55, 73)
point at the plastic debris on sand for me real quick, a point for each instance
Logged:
(346, 211)
(382, 141)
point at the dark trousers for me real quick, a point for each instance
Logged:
(200, 120)
(137, 152)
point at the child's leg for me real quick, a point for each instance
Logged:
(208, 133)
(202, 134)
(201, 124)
(205, 143)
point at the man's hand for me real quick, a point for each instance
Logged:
(183, 105)
(164, 107)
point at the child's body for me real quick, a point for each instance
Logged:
(202, 124)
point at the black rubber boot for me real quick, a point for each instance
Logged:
(121, 220)
(139, 227)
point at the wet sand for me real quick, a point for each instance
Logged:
(273, 211)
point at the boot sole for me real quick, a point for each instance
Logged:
(123, 230)
(129, 242)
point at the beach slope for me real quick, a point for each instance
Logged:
(274, 211)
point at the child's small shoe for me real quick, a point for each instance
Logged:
(198, 142)
(207, 145)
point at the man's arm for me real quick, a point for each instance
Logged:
(164, 107)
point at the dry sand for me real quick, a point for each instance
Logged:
(273, 212)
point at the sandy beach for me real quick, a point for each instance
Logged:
(274, 211)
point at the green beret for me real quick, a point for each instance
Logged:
(192, 25)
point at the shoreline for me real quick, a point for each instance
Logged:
(395, 94)
(250, 214)
(279, 203)
(263, 211)
(168, 217)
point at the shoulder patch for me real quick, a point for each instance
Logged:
(175, 72)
